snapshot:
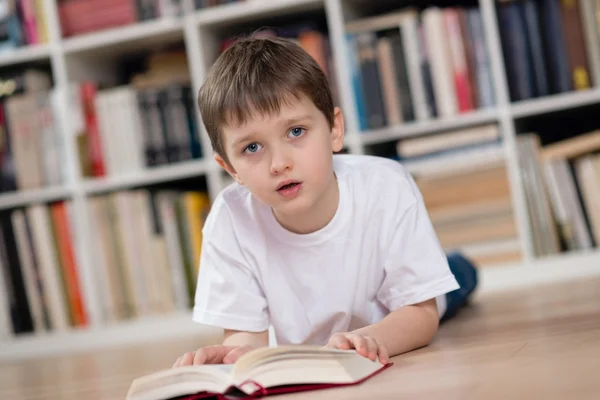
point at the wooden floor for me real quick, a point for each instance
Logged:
(541, 343)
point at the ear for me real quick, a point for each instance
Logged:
(337, 131)
(225, 165)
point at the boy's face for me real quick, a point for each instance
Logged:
(285, 159)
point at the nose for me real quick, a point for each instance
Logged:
(280, 162)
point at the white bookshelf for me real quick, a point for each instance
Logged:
(34, 196)
(182, 170)
(24, 55)
(418, 128)
(73, 58)
(563, 101)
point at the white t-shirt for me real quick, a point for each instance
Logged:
(378, 253)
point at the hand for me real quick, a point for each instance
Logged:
(218, 354)
(366, 346)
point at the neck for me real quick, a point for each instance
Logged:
(318, 216)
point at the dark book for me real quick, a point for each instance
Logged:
(402, 75)
(154, 142)
(555, 47)
(514, 46)
(17, 296)
(535, 49)
(575, 44)
(371, 81)
(192, 122)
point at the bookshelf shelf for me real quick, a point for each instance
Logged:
(148, 177)
(430, 126)
(25, 54)
(456, 162)
(156, 30)
(554, 103)
(251, 10)
(155, 328)
(33, 196)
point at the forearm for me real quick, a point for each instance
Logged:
(241, 338)
(405, 329)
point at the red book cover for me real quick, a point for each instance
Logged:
(67, 260)
(459, 60)
(88, 94)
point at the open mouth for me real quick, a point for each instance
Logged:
(288, 186)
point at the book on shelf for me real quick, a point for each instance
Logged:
(33, 148)
(22, 23)
(258, 373)
(550, 46)
(148, 122)
(413, 65)
(147, 250)
(562, 189)
(41, 277)
(144, 260)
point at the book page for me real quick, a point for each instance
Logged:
(181, 381)
(301, 365)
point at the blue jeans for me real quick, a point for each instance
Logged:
(465, 273)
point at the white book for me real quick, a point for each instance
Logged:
(134, 269)
(591, 22)
(105, 128)
(58, 101)
(136, 151)
(143, 225)
(485, 86)
(565, 201)
(589, 182)
(410, 43)
(442, 73)
(49, 268)
(100, 261)
(166, 205)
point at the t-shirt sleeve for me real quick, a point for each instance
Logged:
(416, 267)
(228, 294)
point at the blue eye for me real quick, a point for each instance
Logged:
(252, 148)
(297, 132)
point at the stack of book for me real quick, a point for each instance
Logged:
(464, 182)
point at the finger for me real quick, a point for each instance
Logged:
(187, 359)
(384, 356)
(232, 356)
(200, 356)
(339, 342)
(371, 348)
(360, 344)
(211, 354)
(177, 362)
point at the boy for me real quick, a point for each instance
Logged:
(330, 250)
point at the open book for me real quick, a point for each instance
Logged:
(260, 372)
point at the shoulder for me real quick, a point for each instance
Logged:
(230, 211)
(378, 178)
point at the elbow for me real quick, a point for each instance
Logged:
(431, 325)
